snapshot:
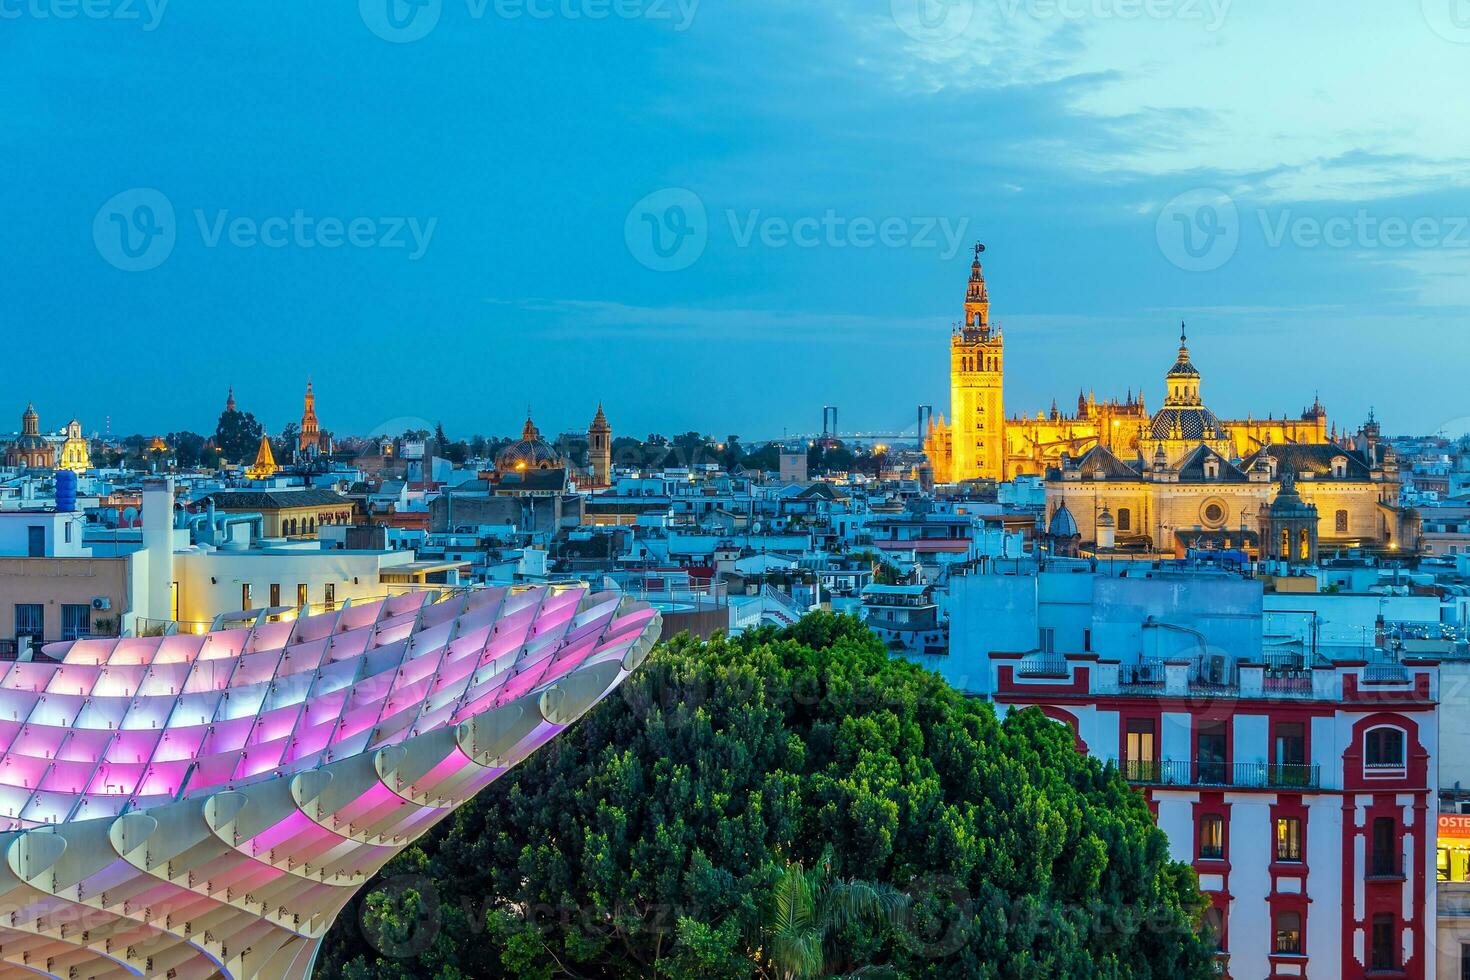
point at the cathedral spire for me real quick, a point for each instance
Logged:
(977, 298)
(230, 400)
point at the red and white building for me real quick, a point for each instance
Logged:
(1300, 784)
(1304, 798)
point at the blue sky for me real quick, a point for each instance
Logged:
(445, 211)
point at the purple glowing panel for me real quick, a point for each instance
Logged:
(188, 716)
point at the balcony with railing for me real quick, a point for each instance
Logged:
(1205, 773)
(1032, 676)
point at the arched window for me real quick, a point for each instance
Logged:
(1340, 522)
(1285, 550)
(1125, 519)
(1304, 544)
(1384, 747)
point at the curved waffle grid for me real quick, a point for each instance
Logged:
(206, 804)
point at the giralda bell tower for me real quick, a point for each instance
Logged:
(976, 378)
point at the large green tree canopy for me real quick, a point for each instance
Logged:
(788, 804)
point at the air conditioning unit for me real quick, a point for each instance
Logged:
(101, 603)
(1217, 669)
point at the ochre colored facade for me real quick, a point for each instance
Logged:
(978, 441)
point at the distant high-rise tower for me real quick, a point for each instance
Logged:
(599, 449)
(311, 435)
(976, 377)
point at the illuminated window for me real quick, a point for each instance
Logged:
(1288, 839)
(1304, 544)
(1285, 551)
(1211, 837)
(1288, 928)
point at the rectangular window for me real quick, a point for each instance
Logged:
(76, 621)
(1141, 762)
(1087, 641)
(301, 596)
(1048, 639)
(1125, 519)
(1385, 861)
(1210, 747)
(1211, 837)
(1288, 839)
(1384, 955)
(1340, 522)
(329, 596)
(36, 541)
(1465, 961)
(1288, 929)
(1290, 745)
(245, 597)
(67, 527)
(275, 594)
(30, 620)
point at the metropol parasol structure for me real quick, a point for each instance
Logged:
(205, 805)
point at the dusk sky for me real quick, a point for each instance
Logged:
(722, 215)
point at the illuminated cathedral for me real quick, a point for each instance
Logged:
(978, 441)
(1176, 479)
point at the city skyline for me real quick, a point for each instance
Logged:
(836, 217)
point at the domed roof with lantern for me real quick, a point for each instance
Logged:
(530, 452)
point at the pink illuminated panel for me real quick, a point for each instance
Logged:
(129, 722)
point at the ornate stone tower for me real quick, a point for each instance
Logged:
(599, 449)
(1289, 526)
(311, 433)
(976, 380)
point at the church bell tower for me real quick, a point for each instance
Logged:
(976, 378)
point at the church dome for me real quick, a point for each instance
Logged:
(530, 452)
(1063, 525)
(1185, 422)
(30, 437)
